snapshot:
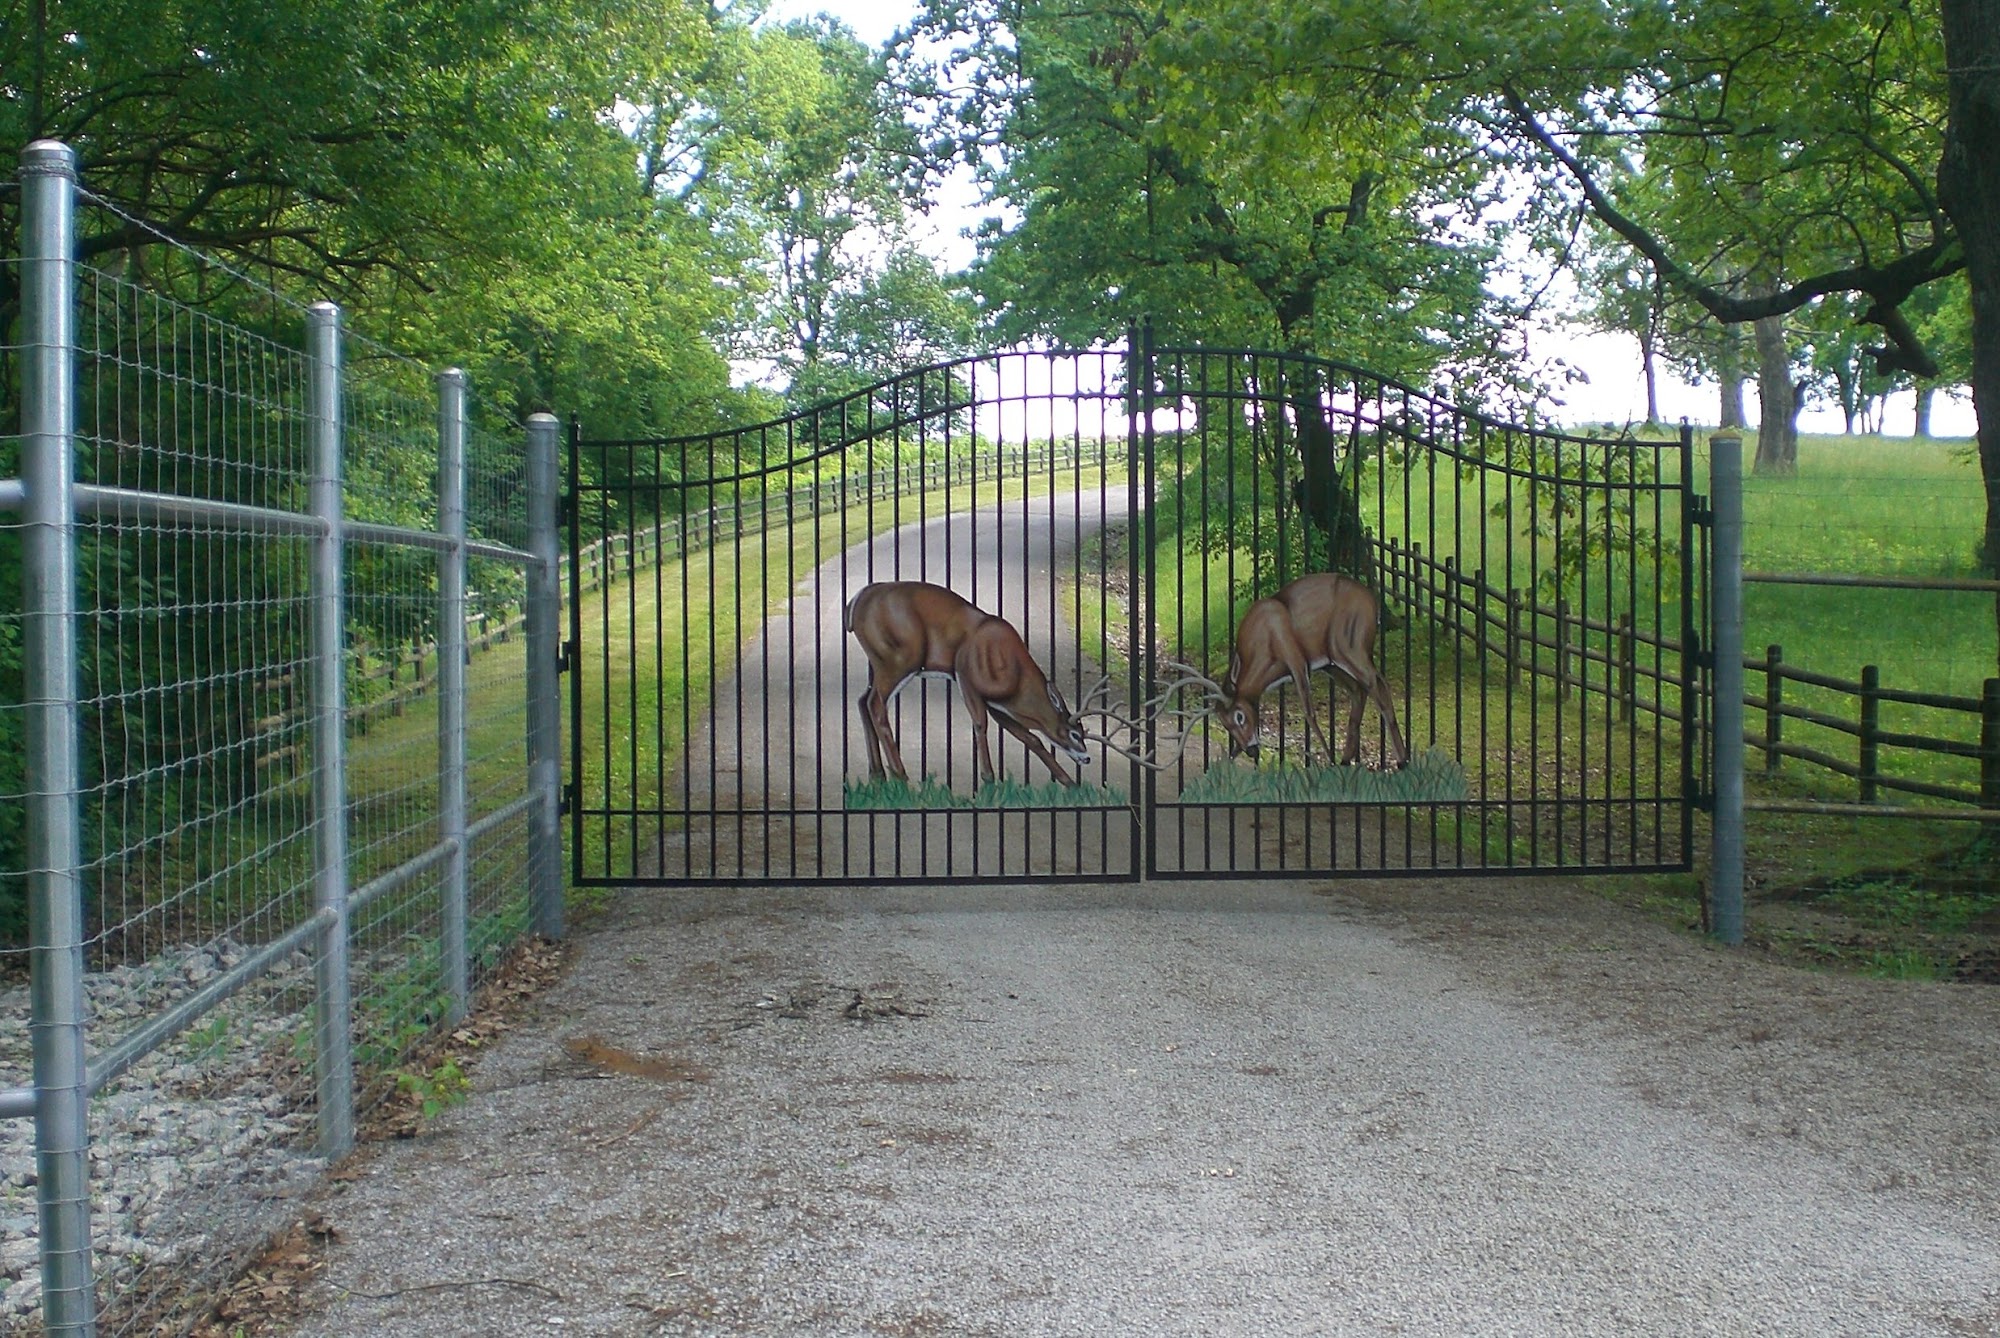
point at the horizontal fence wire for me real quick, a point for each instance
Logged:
(194, 562)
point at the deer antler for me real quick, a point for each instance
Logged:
(1190, 677)
(1140, 759)
(1086, 704)
(1156, 706)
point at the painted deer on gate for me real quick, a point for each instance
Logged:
(1322, 621)
(908, 628)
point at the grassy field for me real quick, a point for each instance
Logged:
(1864, 893)
(1898, 896)
(1890, 896)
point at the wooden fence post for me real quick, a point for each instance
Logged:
(1513, 638)
(1774, 700)
(1562, 649)
(1448, 582)
(1989, 744)
(1628, 667)
(1871, 719)
(1414, 579)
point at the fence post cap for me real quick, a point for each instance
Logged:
(48, 157)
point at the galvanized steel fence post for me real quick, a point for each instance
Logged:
(49, 671)
(1725, 880)
(454, 918)
(332, 999)
(544, 595)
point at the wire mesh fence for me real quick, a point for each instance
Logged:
(290, 868)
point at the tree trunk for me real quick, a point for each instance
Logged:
(1924, 395)
(1337, 539)
(1730, 373)
(1778, 399)
(1969, 188)
(1651, 366)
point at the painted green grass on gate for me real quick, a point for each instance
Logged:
(889, 794)
(1432, 777)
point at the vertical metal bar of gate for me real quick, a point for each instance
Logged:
(544, 612)
(49, 696)
(574, 656)
(1691, 647)
(1139, 476)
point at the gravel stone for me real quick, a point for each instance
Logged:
(1358, 1108)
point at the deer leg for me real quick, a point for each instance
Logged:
(1035, 746)
(981, 753)
(1370, 686)
(875, 703)
(1295, 663)
(864, 703)
(1385, 702)
(1350, 748)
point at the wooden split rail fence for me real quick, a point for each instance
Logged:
(1635, 669)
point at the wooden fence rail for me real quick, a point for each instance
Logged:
(1517, 628)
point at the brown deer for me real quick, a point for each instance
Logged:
(909, 628)
(1322, 621)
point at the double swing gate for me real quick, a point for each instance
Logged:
(1536, 625)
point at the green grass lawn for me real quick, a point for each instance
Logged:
(1879, 506)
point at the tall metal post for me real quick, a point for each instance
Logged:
(333, 999)
(454, 916)
(545, 864)
(1725, 882)
(49, 698)
(1138, 491)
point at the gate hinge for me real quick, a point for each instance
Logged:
(567, 804)
(1700, 512)
(565, 657)
(1704, 801)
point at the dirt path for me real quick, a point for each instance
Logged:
(1373, 1107)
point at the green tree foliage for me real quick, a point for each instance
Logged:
(796, 155)
(1142, 180)
(468, 182)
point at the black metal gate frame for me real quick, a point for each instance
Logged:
(1600, 511)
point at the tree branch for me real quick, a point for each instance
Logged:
(1887, 285)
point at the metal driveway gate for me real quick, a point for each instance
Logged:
(1122, 510)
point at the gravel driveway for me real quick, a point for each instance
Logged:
(1395, 1107)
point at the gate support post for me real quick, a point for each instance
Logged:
(545, 864)
(1725, 878)
(49, 696)
(455, 919)
(332, 992)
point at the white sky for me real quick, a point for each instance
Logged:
(1614, 393)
